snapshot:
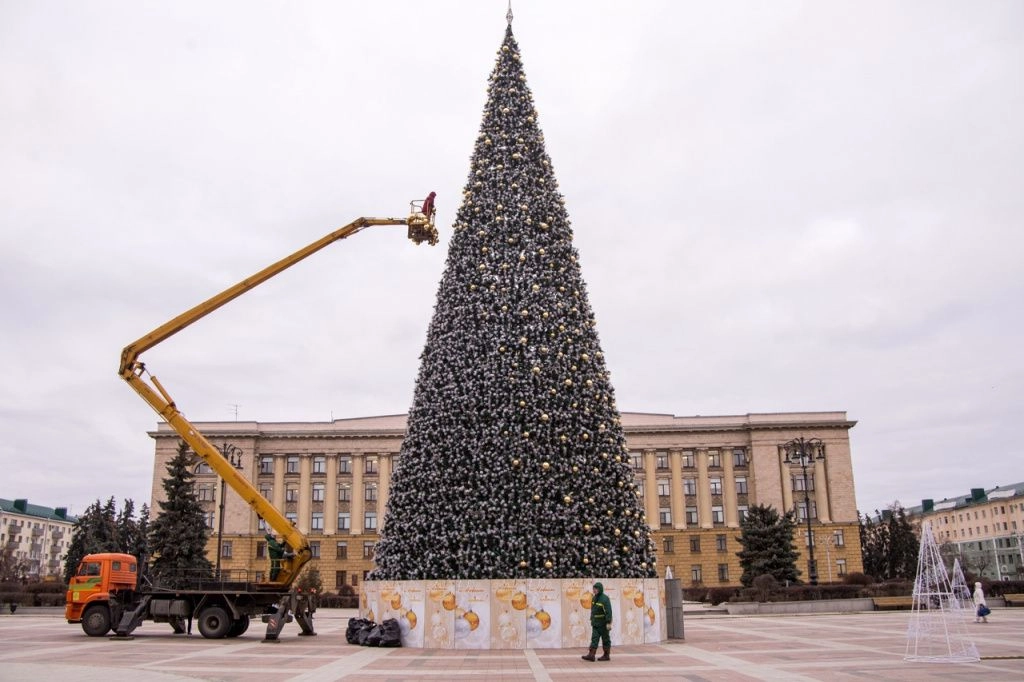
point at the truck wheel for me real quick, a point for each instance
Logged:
(96, 620)
(214, 622)
(177, 624)
(239, 626)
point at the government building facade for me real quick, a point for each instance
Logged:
(697, 477)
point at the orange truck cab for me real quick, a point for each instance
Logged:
(90, 588)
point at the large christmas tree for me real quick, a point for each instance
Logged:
(514, 463)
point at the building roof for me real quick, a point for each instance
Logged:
(37, 510)
(1000, 492)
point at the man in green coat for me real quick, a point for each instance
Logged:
(276, 551)
(600, 624)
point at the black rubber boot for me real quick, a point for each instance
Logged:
(590, 656)
(607, 654)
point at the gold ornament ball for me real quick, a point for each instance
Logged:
(567, 499)
(548, 564)
(543, 417)
(586, 527)
(536, 498)
(586, 560)
(615, 563)
(522, 564)
(617, 531)
(643, 564)
(515, 462)
(545, 466)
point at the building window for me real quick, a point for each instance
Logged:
(345, 464)
(317, 522)
(663, 487)
(714, 459)
(723, 573)
(716, 486)
(370, 465)
(344, 521)
(838, 536)
(342, 550)
(266, 490)
(720, 543)
(638, 484)
(292, 517)
(841, 566)
(741, 485)
(661, 459)
(203, 468)
(344, 493)
(370, 521)
(266, 465)
(695, 544)
(695, 574)
(689, 462)
(665, 515)
(717, 515)
(292, 464)
(798, 482)
(291, 494)
(668, 545)
(743, 509)
(208, 519)
(319, 464)
(739, 457)
(261, 550)
(205, 492)
(690, 486)
(314, 548)
(691, 515)
(368, 550)
(261, 524)
(339, 579)
(318, 492)
(371, 492)
(801, 509)
(225, 549)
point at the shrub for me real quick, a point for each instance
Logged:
(696, 593)
(857, 578)
(717, 595)
(49, 599)
(764, 585)
(46, 587)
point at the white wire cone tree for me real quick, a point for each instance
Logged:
(514, 463)
(962, 599)
(937, 632)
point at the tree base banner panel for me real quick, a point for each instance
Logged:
(514, 613)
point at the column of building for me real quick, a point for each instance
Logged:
(305, 508)
(703, 489)
(732, 511)
(821, 491)
(279, 467)
(651, 491)
(787, 482)
(678, 499)
(331, 496)
(358, 494)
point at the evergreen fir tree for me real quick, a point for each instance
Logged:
(514, 462)
(767, 540)
(105, 529)
(889, 545)
(177, 536)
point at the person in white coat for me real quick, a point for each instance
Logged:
(981, 610)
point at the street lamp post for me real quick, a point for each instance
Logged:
(233, 454)
(803, 453)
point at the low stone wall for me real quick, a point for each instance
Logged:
(794, 607)
(514, 614)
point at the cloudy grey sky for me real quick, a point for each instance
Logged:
(779, 206)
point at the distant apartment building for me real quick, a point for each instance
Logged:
(984, 529)
(696, 476)
(35, 537)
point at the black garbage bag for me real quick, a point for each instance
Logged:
(364, 633)
(391, 633)
(373, 638)
(354, 626)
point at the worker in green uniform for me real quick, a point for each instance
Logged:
(276, 551)
(600, 624)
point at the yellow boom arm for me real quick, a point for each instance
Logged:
(421, 229)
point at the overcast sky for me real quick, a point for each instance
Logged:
(779, 206)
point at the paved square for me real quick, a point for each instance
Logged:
(39, 645)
